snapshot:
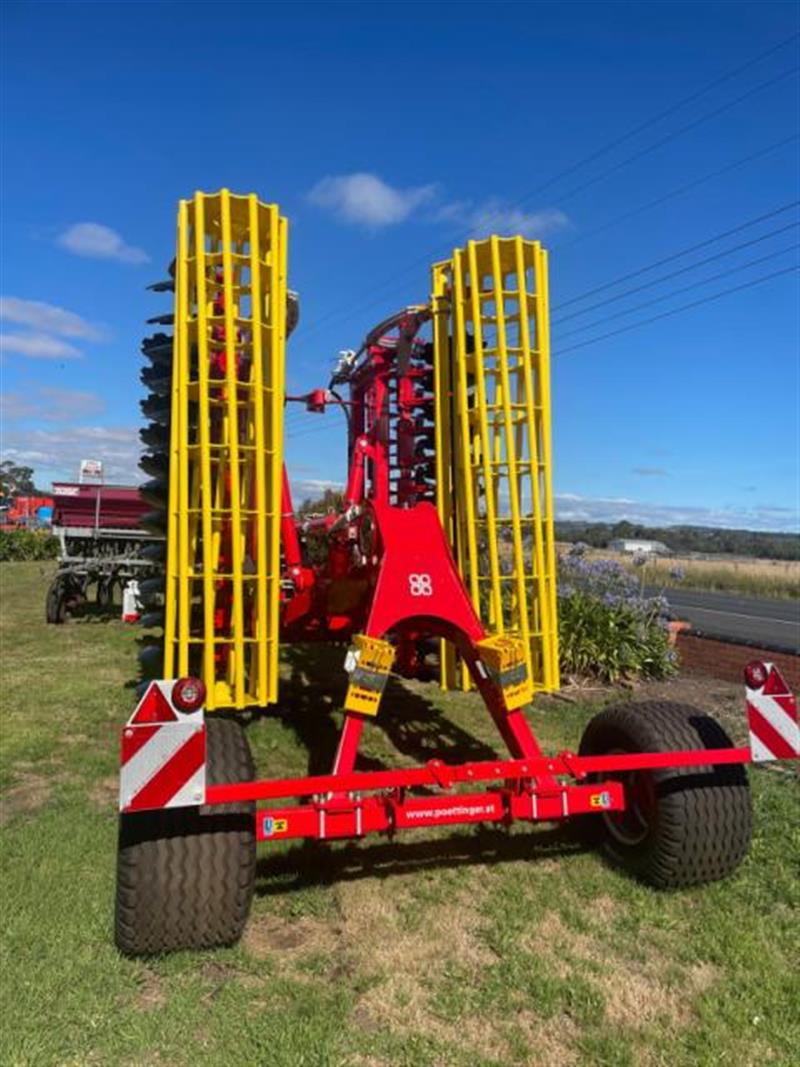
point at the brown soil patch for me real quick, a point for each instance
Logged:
(272, 936)
(151, 994)
(31, 792)
(635, 993)
(403, 960)
(551, 1041)
(104, 794)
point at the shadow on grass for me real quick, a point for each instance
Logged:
(316, 864)
(413, 725)
(417, 729)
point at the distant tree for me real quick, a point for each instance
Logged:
(331, 500)
(702, 539)
(16, 480)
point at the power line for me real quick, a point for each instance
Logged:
(338, 312)
(682, 289)
(679, 190)
(561, 246)
(675, 255)
(657, 118)
(676, 273)
(310, 431)
(677, 133)
(678, 310)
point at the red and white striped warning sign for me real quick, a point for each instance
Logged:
(163, 757)
(771, 714)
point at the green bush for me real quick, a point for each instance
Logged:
(607, 629)
(27, 545)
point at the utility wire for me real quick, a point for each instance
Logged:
(719, 172)
(676, 273)
(682, 289)
(657, 118)
(311, 430)
(563, 245)
(678, 310)
(338, 312)
(653, 318)
(677, 133)
(674, 255)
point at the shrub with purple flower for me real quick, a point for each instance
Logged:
(607, 627)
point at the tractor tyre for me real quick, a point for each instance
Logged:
(185, 876)
(56, 604)
(682, 825)
(104, 596)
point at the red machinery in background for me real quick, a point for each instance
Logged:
(27, 512)
(102, 544)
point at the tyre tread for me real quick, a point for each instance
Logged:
(185, 877)
(704, 819)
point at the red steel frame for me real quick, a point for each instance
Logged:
(388, 533)
(388, 500)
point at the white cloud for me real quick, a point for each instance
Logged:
(96, 241)
(38, 346)
(49, 404)
(57, 453)
(48, 318)
(368, 200)
(770, 517)
(493, 216)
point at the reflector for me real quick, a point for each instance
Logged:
(153, 708)
(755, 674)
(775, 685)
(188, 694)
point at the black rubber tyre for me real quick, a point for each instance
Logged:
(56, 605)
(104, 597)
(684, 825)
(185, 877)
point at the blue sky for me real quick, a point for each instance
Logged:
(389, 134)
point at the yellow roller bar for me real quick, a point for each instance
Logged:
(493, 426)
(222, 586)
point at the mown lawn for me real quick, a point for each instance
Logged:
(478, 948)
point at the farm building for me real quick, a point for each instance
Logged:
(634, 545)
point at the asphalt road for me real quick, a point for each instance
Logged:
(769, 622)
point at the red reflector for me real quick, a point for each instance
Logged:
(776, 686)
(188, 694)
(755, 674)
(153, 707)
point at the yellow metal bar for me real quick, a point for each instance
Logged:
(173, 546)
(543, 328)
(540, 606)
(277, 367)
(223, 569)
(443, 396)
(495, 612)
(500, 452)
(510, 448)
(204, 435)
(234, 470)
(262, 616)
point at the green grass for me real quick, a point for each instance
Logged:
(464, 949)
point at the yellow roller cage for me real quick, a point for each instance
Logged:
(226, 448)
(493, 453)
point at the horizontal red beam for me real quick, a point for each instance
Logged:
(437, 773)
(345, 817)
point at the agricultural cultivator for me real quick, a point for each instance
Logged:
(444, 542)
(103, 545)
